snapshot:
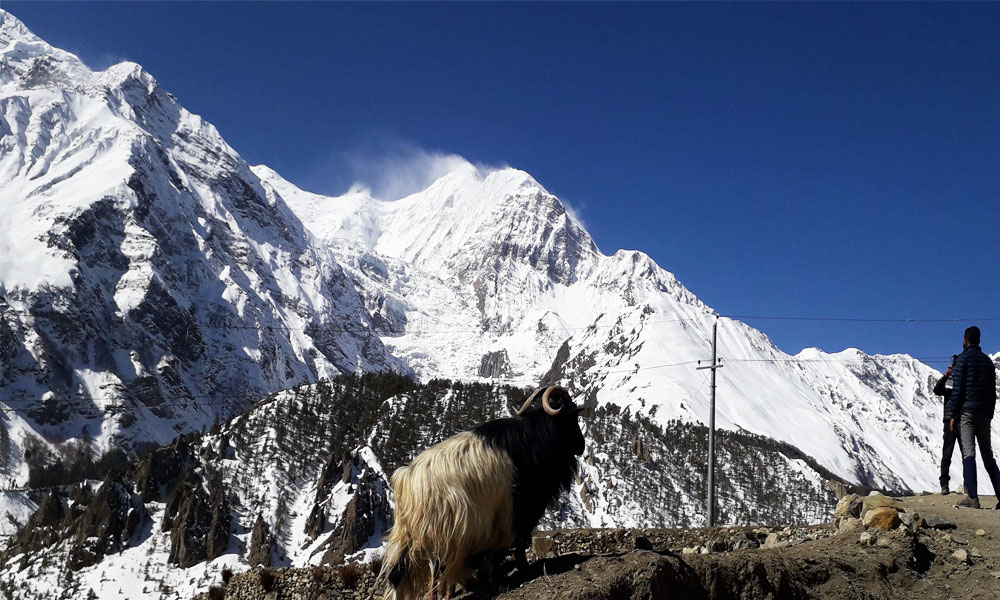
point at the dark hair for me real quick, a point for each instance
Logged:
(972, 335)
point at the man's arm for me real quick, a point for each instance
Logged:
(958, 385)
(939, 387)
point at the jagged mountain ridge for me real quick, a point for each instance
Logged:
(148, 284)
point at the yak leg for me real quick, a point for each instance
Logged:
(520, 557)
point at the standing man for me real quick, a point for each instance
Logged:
(973, 399)
(950, 435)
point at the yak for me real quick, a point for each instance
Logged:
(480, 492)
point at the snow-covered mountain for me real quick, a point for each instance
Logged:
(487, 275)
(152, 283)
(147, 282)
(150, 280)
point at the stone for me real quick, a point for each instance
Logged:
(745, 541)
(848, 506)
(939, 523)
(541, 545)
(771, 540)
(883, 542)
(980, 532)
(877, 501)
(689, 550)
(866, 539)
(906, 519)
(717, 545)
(883, 517)
(961, 555)
(975, 553)
(995, 574)
(848, 525)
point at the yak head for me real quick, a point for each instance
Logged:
(564, 415)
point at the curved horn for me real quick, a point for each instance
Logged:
(559, 393)
(528, 402)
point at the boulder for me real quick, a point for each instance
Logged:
(878, 501)
(541, 545)
(848, 506)
(848, 525)
(883, 517)
(961, 555)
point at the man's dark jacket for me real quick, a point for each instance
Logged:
(974, 387)
(940, 390)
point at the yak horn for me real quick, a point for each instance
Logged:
(561, 394)
(528, 402)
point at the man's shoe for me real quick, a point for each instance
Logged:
(968, 502)
(944, 490)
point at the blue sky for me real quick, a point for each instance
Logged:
(833, 160)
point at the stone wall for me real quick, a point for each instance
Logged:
(350, 582)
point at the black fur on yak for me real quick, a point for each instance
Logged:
(480, 492)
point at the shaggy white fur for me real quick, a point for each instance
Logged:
(453, 501)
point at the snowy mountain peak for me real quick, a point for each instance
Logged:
(30, 61)
(11, 29)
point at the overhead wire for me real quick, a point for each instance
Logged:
(231, 399)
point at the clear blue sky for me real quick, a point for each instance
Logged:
(837, 160)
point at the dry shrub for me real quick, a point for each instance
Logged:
(227, 574)
(349, 574)
(376, 563)
(316, 573)
(216, 592)
(266, 579)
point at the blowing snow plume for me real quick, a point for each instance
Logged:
(391, 170)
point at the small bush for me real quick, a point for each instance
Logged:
(227, 574)
(216, 592)
(376, 564)
(349, 574)
(266, 578)
(316, 573)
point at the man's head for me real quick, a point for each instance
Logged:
(971, 337)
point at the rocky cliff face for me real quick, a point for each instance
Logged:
(148, 284)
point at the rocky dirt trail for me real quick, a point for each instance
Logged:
(876, 548)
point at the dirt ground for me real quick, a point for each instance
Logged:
(899, 564)
(840, 560)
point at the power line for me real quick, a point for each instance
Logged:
(857, 319)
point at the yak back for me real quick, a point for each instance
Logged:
(543, 450)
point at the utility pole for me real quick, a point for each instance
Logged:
(711, 424)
